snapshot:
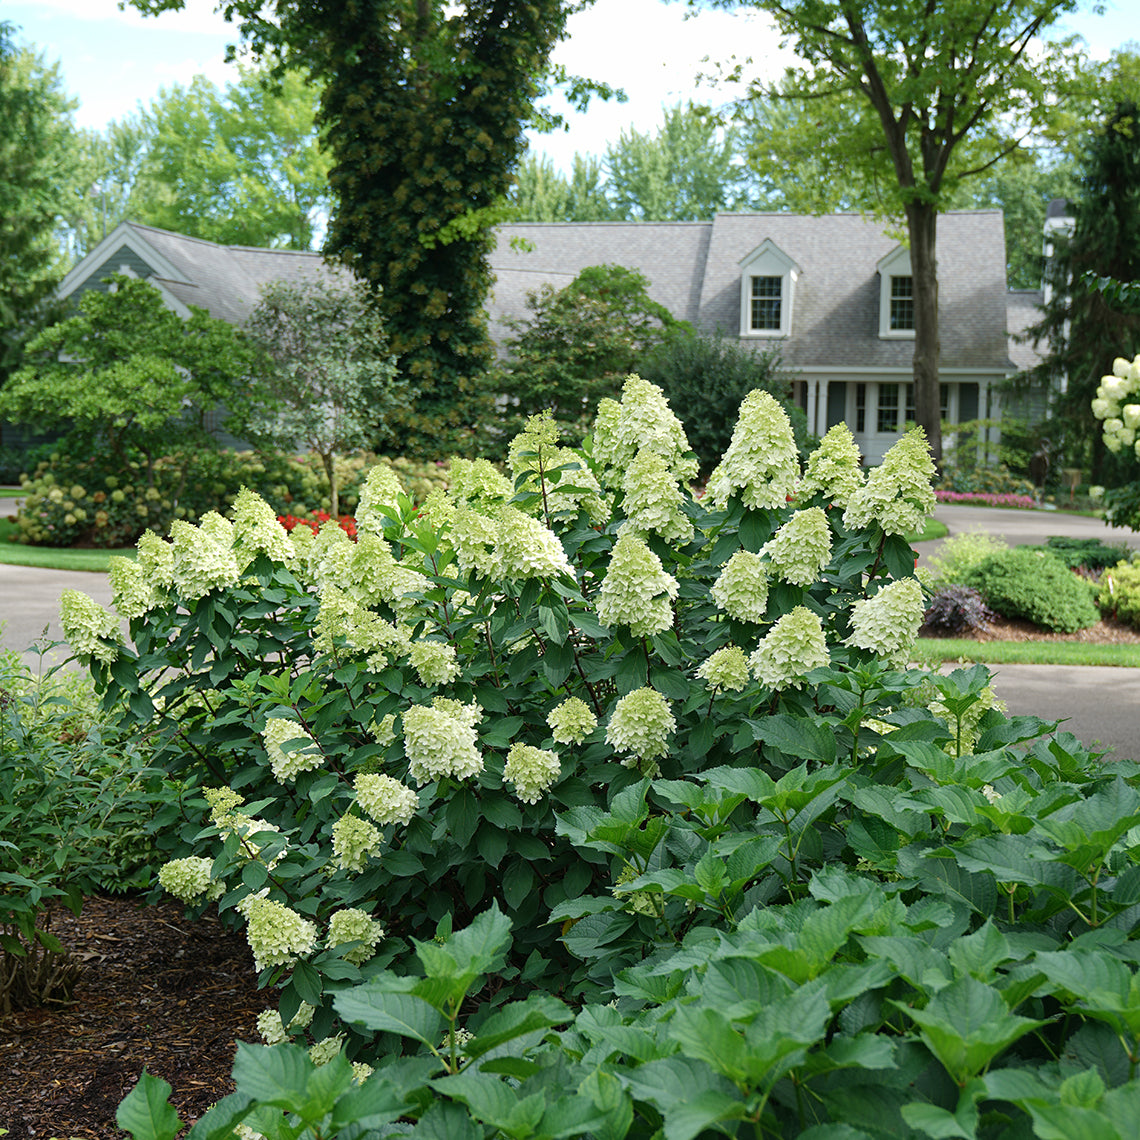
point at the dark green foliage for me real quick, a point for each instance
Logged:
(17, 461)
(714, 374)
(1037, 586)
(1086, 553)
(1083, 327)
(579, 345)
(76, 800)
(957, 609)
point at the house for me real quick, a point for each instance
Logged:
(832, 293)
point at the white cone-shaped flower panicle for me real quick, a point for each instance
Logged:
(354, 925)
(637, 591)
(354, 842)
(188, 879)
(473, 536)
(572, 721)
(276, 935)
(642, 421)
(525, 548)
(888, 623)
(381, 488)
(203, 556)
(793, 647)
(531, 771)
(289, 765)
(257, 531)
(478, 484)
(385, 799)
(833, 469)
(1117, 403)
(435, 662)
(132, 591)
(761, 461)
(653, 500)
(898, 495)
(88, 627)
(641, 724)
(741, 590)
(440, 741)
(801, 548)
(535, 452)
(726, 669)
(156, 558)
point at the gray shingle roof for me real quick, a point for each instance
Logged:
(1024, 309)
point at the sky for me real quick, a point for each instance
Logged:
(112, 60)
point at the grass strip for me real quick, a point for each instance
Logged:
(935, 650)
(932, 530)
(51, 557)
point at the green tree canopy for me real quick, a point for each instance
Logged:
(36, 134)
(126, 373)
(943, 89)
(542, 194)
(324, 380)
(579, 344)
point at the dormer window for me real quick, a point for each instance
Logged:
(767, 283)
(896, 295)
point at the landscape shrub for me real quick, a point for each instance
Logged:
(1086, 553)
(714, 374)
(1118, 595)
(95, 502)
(1037, 586)
(75, 803)
(387, 730)
(16, 461)
(996, 479)
(961, 553)
(957, 609)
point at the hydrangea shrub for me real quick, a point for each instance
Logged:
(377, 739)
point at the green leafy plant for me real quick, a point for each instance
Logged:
(1037, 586)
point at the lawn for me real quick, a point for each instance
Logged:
(934, 650)
(50, 557)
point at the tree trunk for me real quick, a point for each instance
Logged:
(922, 224)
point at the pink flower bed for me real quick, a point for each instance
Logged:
(987, 499)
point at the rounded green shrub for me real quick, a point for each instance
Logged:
(1037, 586)
(961, 553)
(1118, 595)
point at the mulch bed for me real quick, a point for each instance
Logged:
(1014, 629)
(158, 992)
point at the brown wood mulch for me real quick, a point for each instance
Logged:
(157, 992)
(1105, 632)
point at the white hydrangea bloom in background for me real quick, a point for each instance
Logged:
(479, 484)
(641, 724)
(88, 627)
(257, 531)
(354, 842)
(801, 548)
(726, 669)
(132, 590)
(440, 741)
(761, 461)
(898, 494)
(273, 1032)
(572, 721)
(888, 623)
(276, 935)
(435, 662)
(289, 765)
(200, 562)
(653, 500)
(381, 488)
(385, 799)
(793, 647)
(188, 879)
(531, 770)
(637, 591)
(384, 730)
(354, 925)
(833, 469)
(741, 589)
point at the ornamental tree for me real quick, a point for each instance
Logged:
(934, 86)
(127, 374)
(324, 378)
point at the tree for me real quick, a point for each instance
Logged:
(325, 380)
(35, 139)
(937, 83)
(542, 194)
(579, 344)
(688, 171)
(424, 104)
(1084, 326)
(243, 167)
(126, 373)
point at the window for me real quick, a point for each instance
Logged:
(888, 408)
(767, 293)
(902, 303)
(860, 408)
(943, 402)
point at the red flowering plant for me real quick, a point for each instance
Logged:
(318, 519)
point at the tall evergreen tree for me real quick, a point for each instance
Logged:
(1085, 328)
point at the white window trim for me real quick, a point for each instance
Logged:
(895, 264)
(768, 260)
